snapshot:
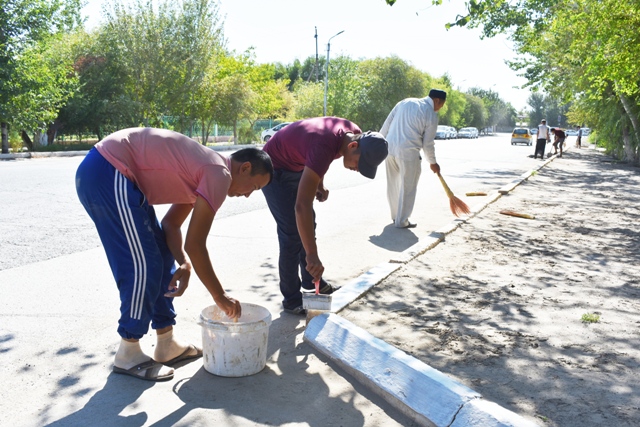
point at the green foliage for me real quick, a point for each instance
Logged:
(475, 113)
(309, 98)
(385, 82)
(590, 318)
(246, 133)
(454, 114)
(65, 147)
(345, 87)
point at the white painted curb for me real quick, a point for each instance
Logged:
(417, 390)
(422, 393)
(360, 285)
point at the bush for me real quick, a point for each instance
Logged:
(80, 146)
(246, 134)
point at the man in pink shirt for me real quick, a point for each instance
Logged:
(302, 153)
(118, 183)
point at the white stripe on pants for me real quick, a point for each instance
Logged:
(402, 186)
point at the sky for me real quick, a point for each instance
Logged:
(414, 30)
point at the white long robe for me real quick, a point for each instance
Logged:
(410, 126)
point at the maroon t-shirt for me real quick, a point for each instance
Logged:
(314, 143)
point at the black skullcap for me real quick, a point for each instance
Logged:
(436, 93)
(373, 151)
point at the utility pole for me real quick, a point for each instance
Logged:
(317, 66)
(326, 74)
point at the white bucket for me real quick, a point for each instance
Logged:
(235, 349)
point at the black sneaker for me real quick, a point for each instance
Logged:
(329, 289)
(298, 311)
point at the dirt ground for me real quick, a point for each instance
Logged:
(499, 305)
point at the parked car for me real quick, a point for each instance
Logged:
(268, 133)
(521, 136)
(453, 133)
(534, 131)
(586, 131)
(442, 132)
(571, 132)
(469, 132)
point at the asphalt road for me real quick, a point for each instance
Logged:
(41, 217)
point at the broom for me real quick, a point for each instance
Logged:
(457, 206)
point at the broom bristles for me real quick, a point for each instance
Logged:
(456, 205)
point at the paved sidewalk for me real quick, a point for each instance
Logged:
(500, 304)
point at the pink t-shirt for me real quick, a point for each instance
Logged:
(167, 166)
(314, 143)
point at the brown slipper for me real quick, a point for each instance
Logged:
(148, 371)
(185, 357)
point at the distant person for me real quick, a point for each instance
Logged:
(302, 153)
(118, 183)
(410, 127)
(579, 138)
(558, 140)
(544, 136)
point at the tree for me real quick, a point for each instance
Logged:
(385, 82)
(345, 87)
(475, 113)
(537, 113)
(308, 100)
(100, 105)
(29, 77)
(454, 114)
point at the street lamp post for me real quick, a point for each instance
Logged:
(326, 74)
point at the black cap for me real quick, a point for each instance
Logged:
(373, 151)
(436, 93)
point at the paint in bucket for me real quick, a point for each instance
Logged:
(235, 349)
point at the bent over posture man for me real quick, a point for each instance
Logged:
(302, 153)
(410, 126)
(118, 183)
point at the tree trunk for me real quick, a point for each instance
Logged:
(26, 140)
(98, 132)
(52, 131)
(235, 131)
(629, 150)
(5, 138)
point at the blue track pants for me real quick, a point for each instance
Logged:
(134, 242)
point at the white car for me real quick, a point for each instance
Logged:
(442, 132)
(268, 133)
(468, 133)
(453, 133)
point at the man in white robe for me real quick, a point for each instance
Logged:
(410, 126)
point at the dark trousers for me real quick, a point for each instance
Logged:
(281, 196)
(540, 148)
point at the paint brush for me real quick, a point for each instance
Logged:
(316, 303)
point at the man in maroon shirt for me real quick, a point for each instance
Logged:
(301, 154)
(558, 140)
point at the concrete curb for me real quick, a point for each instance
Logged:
(417, 390)
(361, 285)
